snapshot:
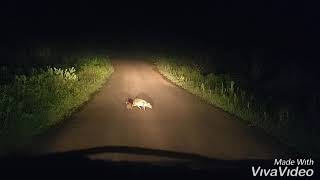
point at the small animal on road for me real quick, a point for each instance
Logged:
(137, 102)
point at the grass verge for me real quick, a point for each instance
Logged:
(221, 91)
(32, 103)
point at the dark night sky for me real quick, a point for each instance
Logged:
(263, 22)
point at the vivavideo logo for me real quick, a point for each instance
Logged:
(287, 168)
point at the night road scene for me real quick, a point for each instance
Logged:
(156, 89)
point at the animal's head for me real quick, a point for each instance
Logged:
(129, 101)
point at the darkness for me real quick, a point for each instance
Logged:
(233, 23)
(288, 30)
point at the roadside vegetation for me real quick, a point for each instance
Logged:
(33, 100)
(230, 94)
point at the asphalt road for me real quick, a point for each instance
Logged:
(178, 121)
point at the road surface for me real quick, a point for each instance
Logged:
(178, 121)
